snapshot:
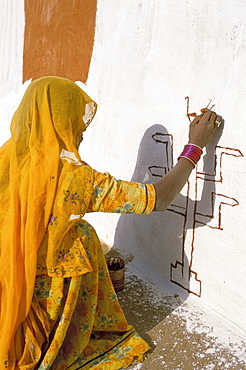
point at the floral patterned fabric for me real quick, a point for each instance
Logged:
(38, 163)
(86, 325)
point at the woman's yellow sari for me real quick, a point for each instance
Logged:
(58, 307)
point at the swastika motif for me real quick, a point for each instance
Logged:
(181, 271)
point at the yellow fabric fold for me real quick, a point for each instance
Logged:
(37, 188)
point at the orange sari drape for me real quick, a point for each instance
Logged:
(49, 121)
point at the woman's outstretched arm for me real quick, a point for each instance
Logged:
(202, 130)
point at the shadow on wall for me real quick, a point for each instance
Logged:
(164, 242)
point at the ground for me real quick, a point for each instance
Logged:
(182, 333)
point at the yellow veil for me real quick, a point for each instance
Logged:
(49, 121)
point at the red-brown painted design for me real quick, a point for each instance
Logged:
(181, 272)
(59, 37)
(167, 141)
(217, 201)
(157, 171)
(220, 151)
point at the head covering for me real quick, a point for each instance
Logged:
(46, 126)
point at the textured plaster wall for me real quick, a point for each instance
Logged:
(11, 51)
(147, 57)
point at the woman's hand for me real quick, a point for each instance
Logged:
(202, 130)
(204, 127)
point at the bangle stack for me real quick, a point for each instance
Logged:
(192, 152)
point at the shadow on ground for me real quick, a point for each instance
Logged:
(177, 332)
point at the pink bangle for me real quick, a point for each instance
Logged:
(192, 152)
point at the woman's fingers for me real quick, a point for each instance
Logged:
(208, 116)
(204, 117)
(218, 121)
(215, 120)
(212, 118)
(196, 119)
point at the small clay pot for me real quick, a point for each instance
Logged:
(116, 267)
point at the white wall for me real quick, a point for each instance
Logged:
(11, 52)
(148, 56)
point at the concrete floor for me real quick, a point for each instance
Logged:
(182, 334)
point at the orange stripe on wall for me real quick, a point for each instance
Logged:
(59, 37)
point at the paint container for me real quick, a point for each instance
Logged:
(116, 267)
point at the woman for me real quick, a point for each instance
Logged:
(58, 307)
